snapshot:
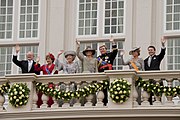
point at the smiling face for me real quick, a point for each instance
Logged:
(30, 55)
(69, 58)
(136, 53)
(103, 50)
(49, 60)
(151, 51)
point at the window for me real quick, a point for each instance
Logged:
(87, 17)
(173, 54)
(29, 17)
(114, 16)
(25, 49)
(172, 15)
(117, 62)
(5, 60)
(6, 19)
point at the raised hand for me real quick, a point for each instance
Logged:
(112, 40)
(77, 43)
(37, 59)
(163, 41)
(60, 52)
(17, 48)
(122, 52)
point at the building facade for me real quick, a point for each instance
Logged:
(44, 26)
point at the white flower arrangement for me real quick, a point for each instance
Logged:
(67, 95)
(18, 94)
(120, 90)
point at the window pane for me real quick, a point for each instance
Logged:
(172, 15)
(29, 14)
(87, 17)
(114, 16)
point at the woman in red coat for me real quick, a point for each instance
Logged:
(47, 69)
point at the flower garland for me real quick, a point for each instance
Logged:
(157, 89)
(81, 92)
(18, 94)
(120, 90)
(4, 88)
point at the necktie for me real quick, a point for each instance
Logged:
(149, 60)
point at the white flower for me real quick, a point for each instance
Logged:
(27, 96)
(14, 90)
(65, 94)
(20, 103)
(72, 95)
(159, 90)
(124, 86)
(68, 93)
(17, 100)
(25, 101)
(121, 101)
(120, 92)
(122, 96)
(169, 89)
(117, 97)
(11, 98)
(124, 92)
(118, 88)
(144, 85)
(23, 90)
(115, 92)
(15, 93)
(112, 96)
(17, 85)
(11, 94)
(14, 97)
(128, 83)
(17, 105)
(20, 92)
(164, 89)
(174, 89)
(118, 85)
(20, 87)
(111, 90)
(22, 95)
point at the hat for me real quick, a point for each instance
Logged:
(88, 48)
(134, 49)
(51, 56)
(73, 53)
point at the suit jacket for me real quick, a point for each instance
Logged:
(107, 58)
(155, 62)
(24, 65)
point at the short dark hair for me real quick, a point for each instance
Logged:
(152, 47)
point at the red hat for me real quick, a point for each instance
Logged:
(51, 56)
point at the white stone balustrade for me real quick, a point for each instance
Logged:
(128, 75)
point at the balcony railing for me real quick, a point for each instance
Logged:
(91, 106)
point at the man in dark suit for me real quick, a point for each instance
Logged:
(153, 61)
(27, 66)
(105, 62)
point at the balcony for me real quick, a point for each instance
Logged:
(165, 106)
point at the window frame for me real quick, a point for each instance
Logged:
(13, 19)
(124, 21)
(77, 22)
(165, 14)
(38, 30)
